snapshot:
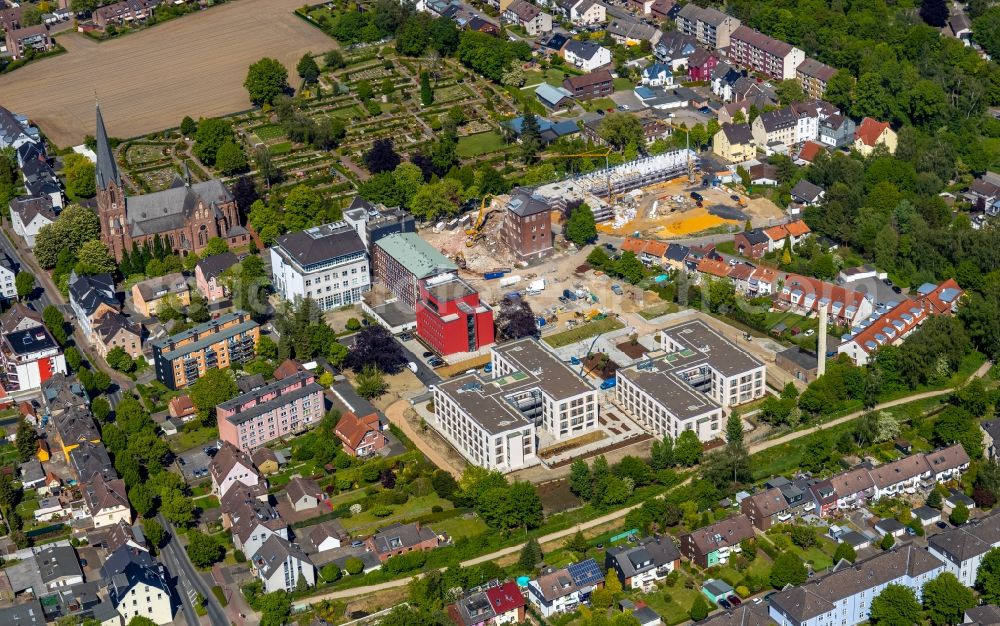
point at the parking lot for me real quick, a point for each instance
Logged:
(193, 463)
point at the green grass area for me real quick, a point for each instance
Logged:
(283, 147)
(208, 502)
(26, 509)
(365, 523)
(726, 247)
(760, 567)
(586, 331)
(599, 103)
(674, 611)
(220, 595)
(270, 131)
(480, 143)
(193, 437)
(623, 84)
(457, 527)
(659, 309)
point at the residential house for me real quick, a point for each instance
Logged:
(265, 460)
(853, 487)
(554, 97)
(38, 174)
(794, 231)
(626, 31)
(28, 214)
(493, 603)
(837, 131)
(808, 115)
(674, 257)
(253, 522)
(960, 27)
(533, 20)
(814, 77)
(641, 565)
(91, 297)
(765, 508)
(775, 127)
(824, 496)
(229, 466)
(208, 275)
(21, 40)
(661, 10)
(73, 427)
(734, 142)
(507, 603)
(769, 56)
(58, 567)
(125, 534)
(845, 307)
(481, 25)
(327, 535)
(31, 473)
(982, 615)
(657, 75)
(361, 436)
(563, 590)
(279, 564)
(587, 56)
(884, 327)
(89, 462)
(763, 174)
(962, 549)
(138, 586)
(808, 153)
(872, 133)
(649, 251)
(903, 475)
(713, 544)
(593, 85)
(752, 243)
(114, 330)
(845, 593)
(701, 65)
(584, 12)
(723, 79)
(149, 295)
(107, 501)
(984, 193)
(401, 538)
(709, 26)
(126, 12)
(674, 48)
(948, 463)
(807, 193)
(304, 493)
(940, 299)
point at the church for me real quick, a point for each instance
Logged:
(185, 216)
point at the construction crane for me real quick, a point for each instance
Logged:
(476, 231)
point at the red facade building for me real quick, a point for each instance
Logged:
(450, 316)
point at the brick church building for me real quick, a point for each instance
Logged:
(185, 216)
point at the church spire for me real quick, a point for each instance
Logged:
(107, 169)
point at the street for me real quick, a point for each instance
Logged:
(187, 579)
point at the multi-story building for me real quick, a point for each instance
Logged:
(253, 523)
(30, 356)
(777, 127)
(586, 55)
(328, 264)
(765, 508)
(138, 586)
(450, 316)
(492, 604)
(533, 397)
(74, 427)
(715, 543)
(940, 299)
(734, 142)
(279, 409)
(962, 549)
(92, 297)
(767, 55)
(687, 388)
(107, 501)
(527, 225)
(28, 214)
(230, 466)
(181, 359)
(709, 26)
(844, 596)
(641, 565)
(149, 295)
(563, 590)
(871, 133)
(361, 436)
(8, 270)
(845, 307)
(884, 327)
(374, 221)
(279, 564)
(208, 275)
(21, 40)
(402, 260)
(593, 85)
(124, 12)
(814, 77)
(533, 20)
(836, 131)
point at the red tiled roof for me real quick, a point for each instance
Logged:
(713, 267)
(932, 301)
(645, 246)
(869, 131)
(820, 289)
(809, 151)
(797, 228)
(352, 429)
(286, 369)
(900, 320)
(506, 597)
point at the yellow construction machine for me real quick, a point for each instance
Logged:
(475, 233)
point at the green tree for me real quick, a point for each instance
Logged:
(789, 91)
(896, 606)
(354, 566)
(788, 570)
(630, 267)
(93, 257)
(216, 245)
(578, 543)
(55, 323)
(699, 608)
(580, 481)
(80, 178)
(844, 551)
(308, 69)
(734, 428)
(946, 600)
(531, 137)
(688, 448)
(142, 499)
(230, 158)
(26, 437)
(101, 409)
(212, 388)
(621, 129)
(74, 226)
(302, 207)
(888, 541)
(436, 200)
(188, 126)
(139, 620)
(333, 59)
(426, 93)
(370, 383)
(580, 227)
(934, 499)
(120, 360)
(24, 282)
(959, 515)
(177, 508)
(266, 80)
(204, 550)
(154, 532)
(212, 134)
(531, 555)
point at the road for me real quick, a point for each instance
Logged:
(615, 515)
(395, 415)
(188, 579)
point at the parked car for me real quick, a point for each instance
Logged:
(428, 354)
(357, 544)
(896, 289)
(911, 532)
(617, 289)
(724, 604)
(810, 332)
(942, 525)
(609, 246)
(735, 600)
(697, 196)
(734, 198)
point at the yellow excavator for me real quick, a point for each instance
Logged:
(475, 233)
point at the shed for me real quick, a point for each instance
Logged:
(889, 526)
(927, 515)
(715, 589)
(856, 540)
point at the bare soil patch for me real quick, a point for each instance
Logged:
(148, 81)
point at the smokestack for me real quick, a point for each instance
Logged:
(821, 343)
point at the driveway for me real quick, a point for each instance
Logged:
(629, 99)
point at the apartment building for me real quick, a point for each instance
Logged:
(29, 356)
(709, 26)
(533, 20)
(715, 543)
(962, 549)
(527, 227)
(845, 307)
(735, 143)
(766, 508)
(230, 466)
(451, 317)
(844, 595)
(593, 85)
(374, 221)
(181, 359)
(279, 409)
(688, 387)
(767, 55)
(641, 565)
(107, 501)
(21, 40)
(885, 326)
(401, 260)
(328, 264)
(532, 398)
(138, 586)
(814, 77)
(777, 127)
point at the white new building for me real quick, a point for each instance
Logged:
(328, 264)
(686, 388)
(8, 271)
(279, 564)
(533, 400)
(137, 586)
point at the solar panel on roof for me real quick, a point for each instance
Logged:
(585, 573)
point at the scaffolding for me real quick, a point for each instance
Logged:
(639, 173)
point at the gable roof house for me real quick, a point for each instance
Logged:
(91, 297)
(114, 330)
(493, 603)
(984, 193)
(627, 31)
(752, 243)
(89, 462)
(554, 97)
(657, 75)
(940, 299)
(208, 275)
(400, 539)
(962, 549)
(775, 127)
(765, 508)
(533, 20)
(326, 535)
(639, 566)
(837, 131)
(107, 501)
(229, 466)
(714, 543)
(253, 522)
(885, 326)
(74, 427)
(138, 586)
(361, 436)
(279, 564)
(872, 133)
(807, 193)
(304, 493)
(20, 40)
(701, 65)
(563, 590)
(588, 56)
(58, 566)
(674, 48)
(844, 306)
(149, 295)
(734, 142)
(29, 214)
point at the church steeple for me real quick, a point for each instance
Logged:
(107, 169)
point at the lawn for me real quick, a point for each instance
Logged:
(365, 523)
(623, 84)
(193, 437)
(457, 527)
(481, 143)
(586, 331)
(659, 309)
(270, 131)
(672, 603)
(599, 103)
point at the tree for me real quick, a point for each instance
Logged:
(934, 499)
(212, 388)
(31, 16)
(230, 159)
(212, 133)
(630, 267)
(138, 620)
(662, 453)
(26, 440)
(888, 541)
(72, 228)
(959, 515)
(844, 551)
(580, 227)
(188, 126)
(333, 59)
(154, 532)
(80, 178)
(266, 80)
(934, 12)
(101, 409)
(55, 323)
(370, 383)
(531, 555)
(699, 608)
(578, 543)
(515, 320)
(93, 258)
(896, 606)
(24, 283)
(734, 428)
(120, 360)
(789, 91)
(531, 137)
(308, 69)
(621, 129)
(426, 93)
(788, 570)
(354, 566)
(687, 450)
(364, 91)
(142, 499)
(204, 550)
(374, 345)
(303, 206)
(946, 600)
(381, 157)
(177, 508)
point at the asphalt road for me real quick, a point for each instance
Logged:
(187, 578)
